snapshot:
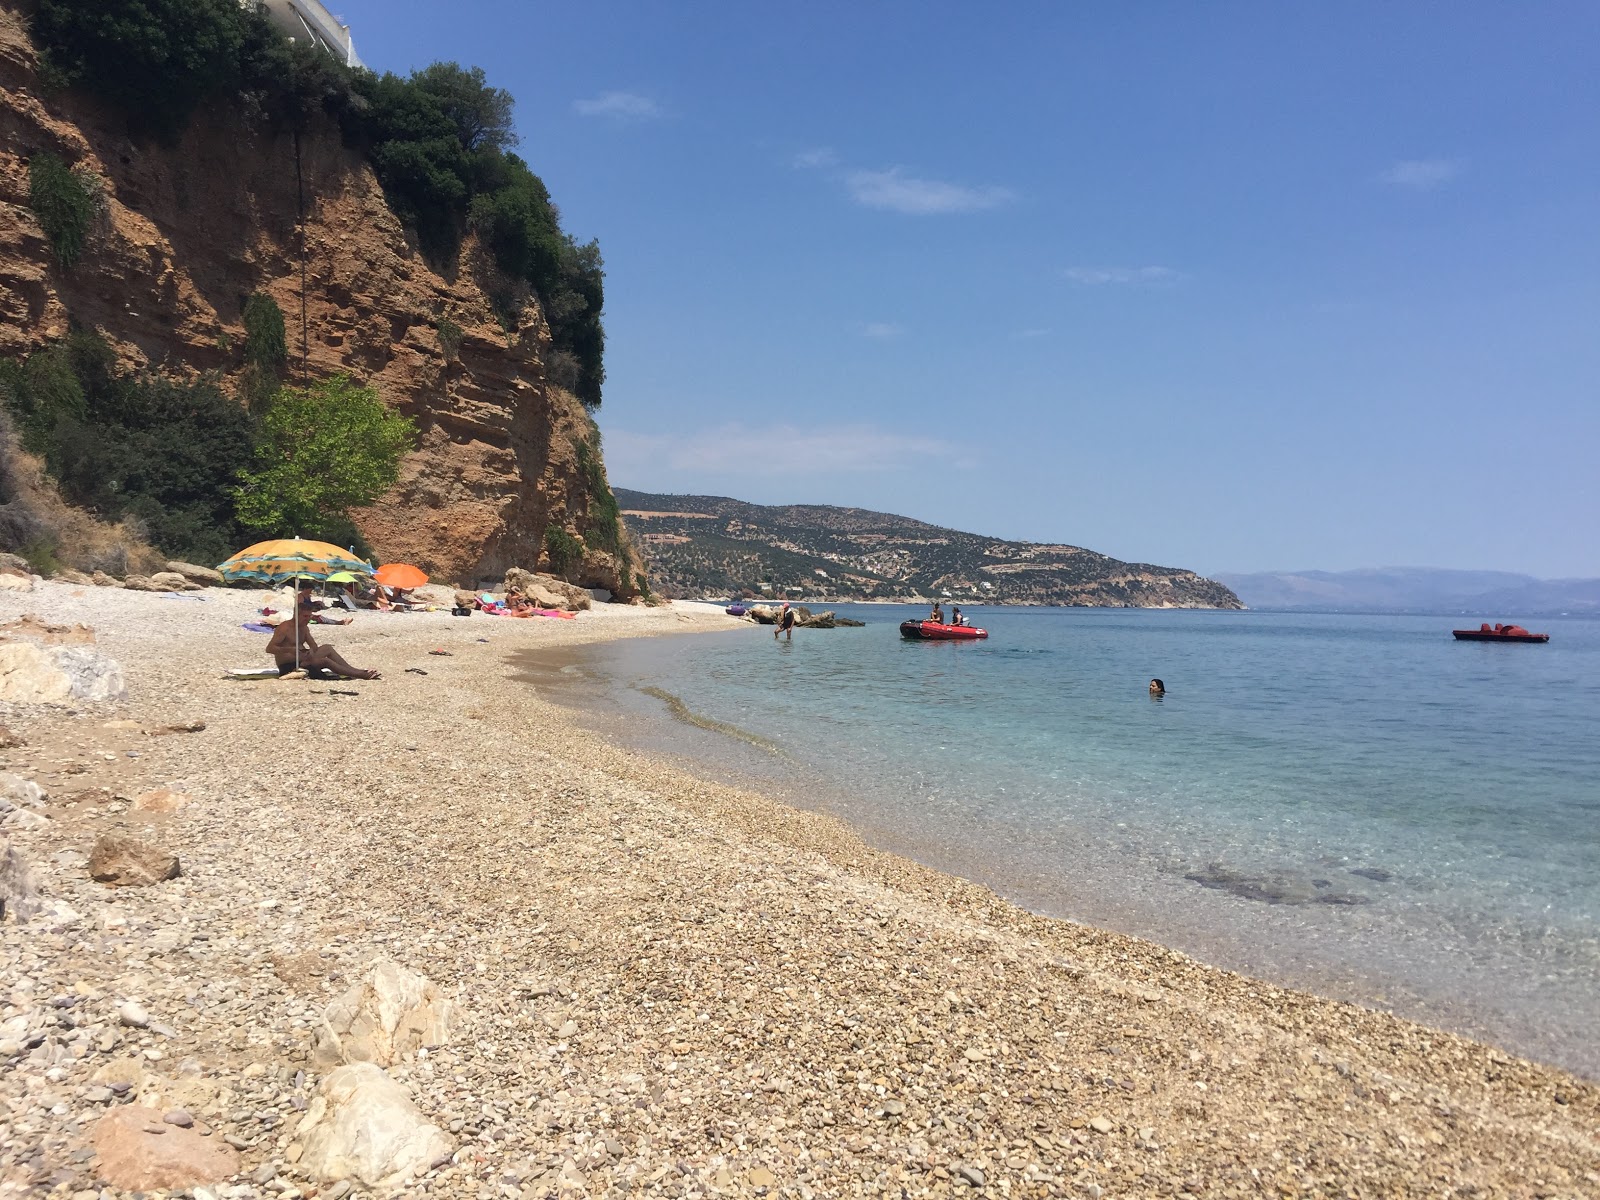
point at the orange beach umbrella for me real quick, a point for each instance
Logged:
(400, 576)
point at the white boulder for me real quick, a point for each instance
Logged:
(388, 1016)
(362, 1125)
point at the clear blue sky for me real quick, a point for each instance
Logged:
(1225, 286)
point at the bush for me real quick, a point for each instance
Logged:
(605, 516)
(65, 201)
(124, 445)
(450, 335)
(564, 551)
(320, 452)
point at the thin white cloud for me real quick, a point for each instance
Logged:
(1101, 276)
(895, 191)
(1422, 174)
(882, 329)
(738, 450)
(619, 106)
(819, 156)
(1026, 334)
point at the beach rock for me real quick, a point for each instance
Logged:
(385, 1018)
(15, 564)
(202, 576)
(567, 596)
(122, 861)
(17, 792)
(32, 674)
(600, 570)
(162, 800)
(144, 583)
(362, 1126)
(15, 583)
(171, 581)
(46, 633)
(9, 740)
(101, 579)
(138, 1151)
(76, 578)
(19, 899)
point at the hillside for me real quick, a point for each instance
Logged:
(233, 206)
(711, 546)
(1416, 589)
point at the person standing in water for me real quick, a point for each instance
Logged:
(785, 624)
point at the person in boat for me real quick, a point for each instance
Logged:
(785, 624)
(295, 634)
(1157, 688)
(955, 615)
(937, 615)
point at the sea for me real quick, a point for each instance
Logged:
(1354, 805)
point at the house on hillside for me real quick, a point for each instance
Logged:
(309, 19)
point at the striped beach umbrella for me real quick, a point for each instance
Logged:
(283, 559)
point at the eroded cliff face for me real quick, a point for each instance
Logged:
(190, 232)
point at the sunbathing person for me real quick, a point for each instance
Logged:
(312, 657)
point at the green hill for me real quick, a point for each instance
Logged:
(713, 546)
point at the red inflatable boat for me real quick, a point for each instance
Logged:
(1499, 633)
(932, 631)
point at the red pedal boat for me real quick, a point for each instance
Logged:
(1498, 633)
(932, 631)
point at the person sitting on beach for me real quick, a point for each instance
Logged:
(1157, 688)
(295, 633)
(785, 624)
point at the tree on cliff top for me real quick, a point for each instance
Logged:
(321, 451)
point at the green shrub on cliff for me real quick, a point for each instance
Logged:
(124, 444)
(321, 451)
(65, 201)
(564, 551)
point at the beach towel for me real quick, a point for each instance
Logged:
(252, 673)
(256, 627)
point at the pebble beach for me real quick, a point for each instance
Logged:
(656, 985)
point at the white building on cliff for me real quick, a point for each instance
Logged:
(309, 19)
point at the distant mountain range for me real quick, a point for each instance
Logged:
(1497, 594)
(712, 546)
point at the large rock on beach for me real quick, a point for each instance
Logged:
(19, 899)
(139, 1152)
(31, 674)
(570, 597)
(144, 583)
(195, 574)
(15, 564)
(15, 583)
(388, 1016)
(172, 581)
(122, 861)
(362, 1126)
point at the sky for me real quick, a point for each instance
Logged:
(1231, 287)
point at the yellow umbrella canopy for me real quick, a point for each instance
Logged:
(287, 558)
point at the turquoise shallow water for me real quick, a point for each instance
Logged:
(1359, 805)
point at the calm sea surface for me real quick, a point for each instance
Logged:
(1353, 804)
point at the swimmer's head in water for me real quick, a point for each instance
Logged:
(1157, 688)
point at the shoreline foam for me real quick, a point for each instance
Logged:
(667, 985)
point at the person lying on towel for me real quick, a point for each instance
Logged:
(312, 657)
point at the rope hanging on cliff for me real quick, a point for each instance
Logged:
(300, 204)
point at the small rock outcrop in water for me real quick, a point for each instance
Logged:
(127, 862)
(384, 1019)
(139, 1152)
(363, 1126)
(768, 614)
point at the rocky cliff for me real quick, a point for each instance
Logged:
(189, 232)
(714, 546)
